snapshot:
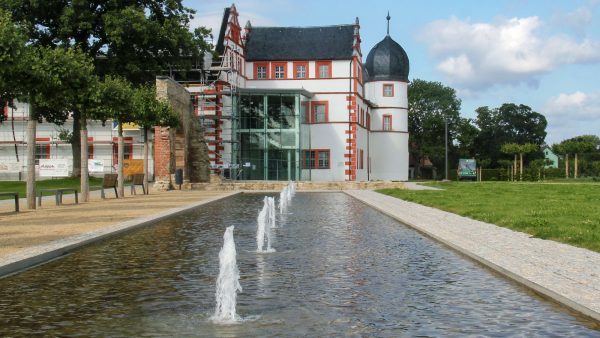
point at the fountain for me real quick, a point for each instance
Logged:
(228, 283)
(283, 200)
(266, 220)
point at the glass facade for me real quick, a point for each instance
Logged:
(267, 131)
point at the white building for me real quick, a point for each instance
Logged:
(298, 103)
(49, 145)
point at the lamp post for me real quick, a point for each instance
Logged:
(446, 144)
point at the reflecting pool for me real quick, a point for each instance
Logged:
(340, 268)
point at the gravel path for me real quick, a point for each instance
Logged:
(562, 272)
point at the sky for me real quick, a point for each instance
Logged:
(540, 53)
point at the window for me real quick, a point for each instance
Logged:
(316, 159)
(323, 69)
(360, 159)
(368, 121)
(5, 110)
(388, 90)
(42, 150)
(127, 149)
(387, 122)
(301, 72)
(260, 71)
(90, 148)
(279, 70)
(320, 111)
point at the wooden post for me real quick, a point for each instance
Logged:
(520, 166)
(31, 129)
(85, 179)
(575, 168)
(566, 165)
(120, 154)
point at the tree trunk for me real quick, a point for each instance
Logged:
(514, 175)
(146, 147)
(76, 145)
(575, 168)
(12, 121)
(520, 166)
(121, 157)
(31, 129)
(85, 179)
(566, 165)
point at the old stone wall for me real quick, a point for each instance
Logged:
(184, 147)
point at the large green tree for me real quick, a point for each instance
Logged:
(583, 144)
(509, 123)
(430, 105)
(135, 39)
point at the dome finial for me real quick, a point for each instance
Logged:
(388, 23)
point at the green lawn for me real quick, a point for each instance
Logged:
(568, 213)
(70, 182)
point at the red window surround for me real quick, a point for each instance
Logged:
(301, 63)
(388, 90)
(368, 121)
(315, 155)
(322, 63)
(274, 67)
(127, 149)
(261, 64)
(43, 149)
(387, 122)
(313, 111)
(360, 159)
(5, 110)
(90, 148)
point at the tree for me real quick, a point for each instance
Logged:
(149, 112)
(430, 105)
(510, 123)
(578, 145)
(135, 39)
(513, 149)
(520, 149)
(116, 97)
(12, 47)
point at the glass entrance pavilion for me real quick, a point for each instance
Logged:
(270, 133)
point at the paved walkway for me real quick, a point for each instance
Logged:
(34, 236)
(565, 273)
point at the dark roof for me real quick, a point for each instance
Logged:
(387, 61)
(300, 43)
(220, 42)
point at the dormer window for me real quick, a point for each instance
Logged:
(279, 70)
(323, 69)
(261, 71)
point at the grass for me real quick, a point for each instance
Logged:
(71, 182)
(568, 213)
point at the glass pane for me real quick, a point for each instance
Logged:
(288, 112)
(274, 112)
(323, 159)
(323, 71)
(320, 113)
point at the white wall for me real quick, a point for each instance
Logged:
(389, 156)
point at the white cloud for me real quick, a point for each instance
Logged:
(578, 19)
(477, 56)
(572, 114)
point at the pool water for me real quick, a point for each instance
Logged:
(340, 268)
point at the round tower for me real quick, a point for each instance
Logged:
(386, 85)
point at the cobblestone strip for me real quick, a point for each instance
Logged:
(564, 273)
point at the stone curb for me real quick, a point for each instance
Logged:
(31, 257)
(505, 271)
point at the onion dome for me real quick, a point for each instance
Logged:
(387, 61)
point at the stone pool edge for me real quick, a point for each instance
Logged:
(37, 255)
(512, 274)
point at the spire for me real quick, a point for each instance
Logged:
(388, 23)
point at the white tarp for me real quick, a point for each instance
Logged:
(9, 167)
(96, 166)
(53, 168)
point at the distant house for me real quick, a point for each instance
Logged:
(551, 156)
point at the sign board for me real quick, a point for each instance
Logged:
(131, 167)
(54, 168)
(467, 168)
(95, 166)
(126, 126)
(10, 167)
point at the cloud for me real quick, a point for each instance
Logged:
(578, 19)
(477, 56)
(572, 114)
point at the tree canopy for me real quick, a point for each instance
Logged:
(509, 123)
(430, 104)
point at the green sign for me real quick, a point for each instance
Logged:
(467, 168)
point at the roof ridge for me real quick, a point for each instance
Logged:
(327, 26)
